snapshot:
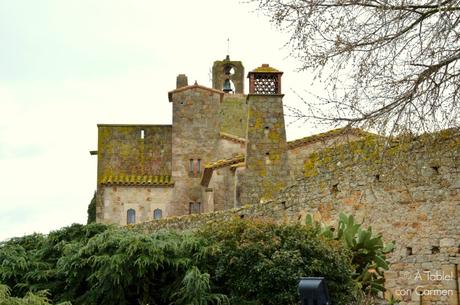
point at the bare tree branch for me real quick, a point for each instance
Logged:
(387, 65)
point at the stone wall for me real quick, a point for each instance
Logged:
(297, 154)
(144, 200)
(234, 115)
(408, 192)
(223, 188)
(127, 151)
(123, 151)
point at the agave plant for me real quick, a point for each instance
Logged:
(368, 250)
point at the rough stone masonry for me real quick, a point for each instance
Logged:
(409, 192)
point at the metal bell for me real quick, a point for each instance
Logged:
(227, 86)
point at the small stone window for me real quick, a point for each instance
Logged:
(142, 134)
(266, 131)
(435, 169)
(157, 214)
(131, 216)
(409, 251)
(194, 168)
(190, 167)
(335, 189)
(435, 250)
(194, 207)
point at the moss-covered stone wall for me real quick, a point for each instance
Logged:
(409, 191)
(267, 167)
(123, 152)
(234, 115)
(127, 152)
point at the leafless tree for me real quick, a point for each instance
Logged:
(391, 66)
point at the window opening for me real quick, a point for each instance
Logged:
(194, 207)
(131, 216)
(157, 214)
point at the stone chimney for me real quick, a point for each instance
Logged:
(265, 80)
(181, 81)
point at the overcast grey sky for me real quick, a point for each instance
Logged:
(66, 65)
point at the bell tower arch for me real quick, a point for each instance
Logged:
(228, 76)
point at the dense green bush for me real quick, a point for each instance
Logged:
(38, 298)
(29, 263)
(127, 267)
(260, 262)
(238, 262)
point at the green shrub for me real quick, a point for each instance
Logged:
(127, 267)
(237, 262)
(29, 263)
(260, 262)
(196, 288)
(38, 298)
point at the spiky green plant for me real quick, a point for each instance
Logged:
(368, 250)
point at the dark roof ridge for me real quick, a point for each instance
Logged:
(194, 86)
(328, 135)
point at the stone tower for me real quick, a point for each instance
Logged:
(195, 136)
(228, 72)
(267, 168)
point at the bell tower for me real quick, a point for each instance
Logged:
(228, 76)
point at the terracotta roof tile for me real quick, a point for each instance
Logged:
(159, 180)
(232, 137)
(210, 167)
(225, 162)
(265, 69)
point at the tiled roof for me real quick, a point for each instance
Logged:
(225, 162)
(236, 165)
(159, 180)
(194, 86)
(232, 137)
(210, 167)
(265, 69)
(327, 135)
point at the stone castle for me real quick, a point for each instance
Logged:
(223, 150)
(226, 155)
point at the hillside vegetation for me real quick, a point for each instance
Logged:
(236, 262)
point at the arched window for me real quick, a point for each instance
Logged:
(157, 214)
(131, 216)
